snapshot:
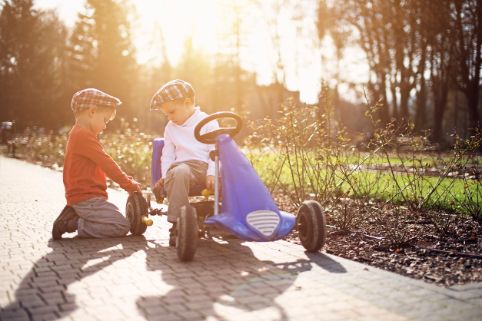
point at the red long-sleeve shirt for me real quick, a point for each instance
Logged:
(86, 165)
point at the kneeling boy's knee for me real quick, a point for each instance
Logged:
(120, 228)
(124, 228)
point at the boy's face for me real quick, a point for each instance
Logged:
(99, 117)
(178, 111)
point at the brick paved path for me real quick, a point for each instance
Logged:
(139, 278)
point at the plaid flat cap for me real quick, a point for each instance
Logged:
(173, 90)
(91, 97)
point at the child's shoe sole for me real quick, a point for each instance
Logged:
(63, 222)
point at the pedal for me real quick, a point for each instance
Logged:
(158, 210)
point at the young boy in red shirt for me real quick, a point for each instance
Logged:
(86, 166)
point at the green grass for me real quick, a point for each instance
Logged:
(447, 193)
(406, 159)
(430, 191)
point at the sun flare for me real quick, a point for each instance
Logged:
(161, 30)
(176, 22)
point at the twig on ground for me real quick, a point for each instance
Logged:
(460, 254)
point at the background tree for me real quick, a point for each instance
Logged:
(101, 51)
(31, 62)
(417, 51)
(82, 53)
(467, 25)
(370, 25)
(440, 61)
(425, 18)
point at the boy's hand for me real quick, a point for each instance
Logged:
(210, 182)
(157, 189)
(136, 187)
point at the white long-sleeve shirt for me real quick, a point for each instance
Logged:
(180, 144)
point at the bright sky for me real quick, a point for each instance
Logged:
(208, 21)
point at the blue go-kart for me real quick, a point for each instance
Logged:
(244, 207)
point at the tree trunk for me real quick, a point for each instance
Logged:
(384, 114)
(393, 90)
(473, 104)
(404, 95)
(421, 100)
(421, 112)
(440, 102)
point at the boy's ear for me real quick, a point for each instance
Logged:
(113, 114)
(92, 111)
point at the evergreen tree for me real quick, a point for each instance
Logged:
(31, 45)
(101, 51)
(194, 67)
(52, 95)
(82, 52)
(17, 26)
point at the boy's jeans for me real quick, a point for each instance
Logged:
(179, 179)
(99, 218)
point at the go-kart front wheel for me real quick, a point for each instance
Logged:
(187, 234)
(311, 226)
(136, 210)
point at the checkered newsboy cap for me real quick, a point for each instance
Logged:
(91, 97)
(173, 90)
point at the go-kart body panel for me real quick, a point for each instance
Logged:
(242, 230)
(243, 193)
(157, 146)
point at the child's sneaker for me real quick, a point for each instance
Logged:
(172, 235)
(66, 222)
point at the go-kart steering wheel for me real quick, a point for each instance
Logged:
(210, 138)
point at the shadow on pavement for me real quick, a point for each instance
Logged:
(43, 292)
(222, 281)
(325, 262)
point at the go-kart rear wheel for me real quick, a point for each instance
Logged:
(136, 208)
(311, 226)
(187, 234)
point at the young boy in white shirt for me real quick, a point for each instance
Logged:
(185, 162)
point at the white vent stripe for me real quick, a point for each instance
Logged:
(264, 221)
(265, 225)
(260, 219)
(258, 216)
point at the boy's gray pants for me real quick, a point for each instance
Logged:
(180, 178)
(99, 218)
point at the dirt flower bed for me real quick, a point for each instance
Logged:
(437, 247)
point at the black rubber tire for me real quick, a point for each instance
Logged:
(311, 225)
(136, 207)
(187, 234)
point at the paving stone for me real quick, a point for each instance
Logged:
(14, 314)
